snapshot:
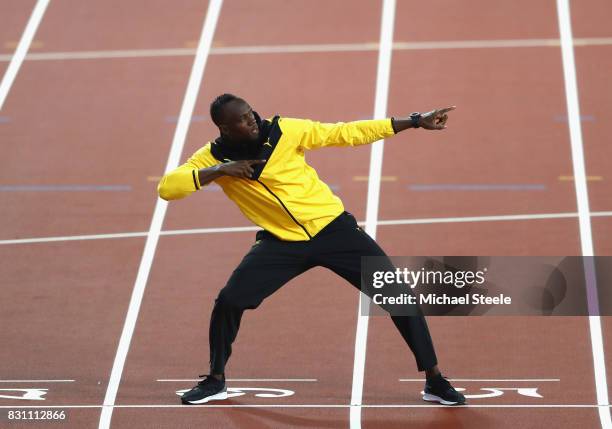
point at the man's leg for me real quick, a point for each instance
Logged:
(269, 265)
(340, 249)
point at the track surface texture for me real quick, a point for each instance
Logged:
(106, 292)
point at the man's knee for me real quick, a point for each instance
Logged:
(229, 299)
(226, 299)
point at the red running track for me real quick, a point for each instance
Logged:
(110, 121)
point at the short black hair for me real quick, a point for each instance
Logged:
(216, 107)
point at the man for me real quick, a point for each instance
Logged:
(260, 165)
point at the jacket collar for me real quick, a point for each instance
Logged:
(269, 136)
(225, 151)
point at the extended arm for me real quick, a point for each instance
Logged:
(313, 135)
(434, 120)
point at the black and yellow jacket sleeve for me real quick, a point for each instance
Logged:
(285, 195)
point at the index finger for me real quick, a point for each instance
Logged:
(447, 109)
(257, 161)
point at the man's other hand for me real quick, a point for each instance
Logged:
(243, 169)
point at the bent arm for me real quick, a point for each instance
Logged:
(190, 177)
(186, 179)
(179, 183)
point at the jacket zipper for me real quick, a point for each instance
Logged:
(286, 209)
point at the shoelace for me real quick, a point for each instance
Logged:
(205, 378)
(442, 382)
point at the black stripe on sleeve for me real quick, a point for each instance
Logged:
(195, 182)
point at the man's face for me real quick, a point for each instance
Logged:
(239, 122)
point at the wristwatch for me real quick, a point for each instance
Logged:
(414, 119)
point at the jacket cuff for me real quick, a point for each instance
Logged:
(393, 125)
(196, 179)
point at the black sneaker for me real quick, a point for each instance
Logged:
(438, 389)
(209, 389)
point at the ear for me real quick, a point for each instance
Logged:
(223, 129)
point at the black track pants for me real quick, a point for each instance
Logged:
(271, 263)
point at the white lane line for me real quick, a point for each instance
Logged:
(582, 198)
(36, 381)
(73, 238)
(129, 235)
(209, 405)
(461, 219)
(180, 134)
(211, 230)
(243, 379)
(376, 157)
(304, 49)
(22, 49)
(110, 54)
(296, 49)
(391, 222)
(487, 379)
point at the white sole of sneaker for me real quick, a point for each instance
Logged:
(433, 398)
(216, 397)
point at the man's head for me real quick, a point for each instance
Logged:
(235, 118)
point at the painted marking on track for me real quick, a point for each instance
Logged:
(583, 118)
(478, 187)
(383, 72)
(216, 44)
(284, 49)
(582, 200)
(12, 44)
(241, 379)
(98, 55)
(382, 178)
(193, 43)
(27, 393)
(236, 229)
(588, 178)
(5, 119)
(31, 394)
(180, 406)
(153, 178)
(499, 43)
(422, 380)
(64, 188)
(36, 381)
(22, 49)
(495, 392)
(264, 392)
(178, 142)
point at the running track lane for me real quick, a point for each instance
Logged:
(489, 149)
(589, 19)
(65, 303)
(282, 339)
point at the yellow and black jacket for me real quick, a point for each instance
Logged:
(285, 195)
